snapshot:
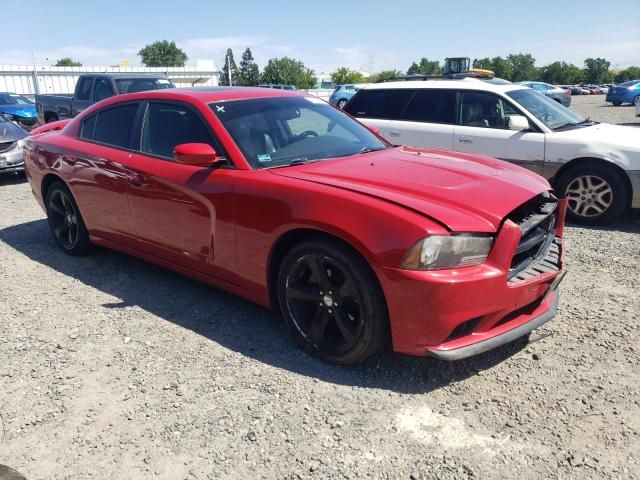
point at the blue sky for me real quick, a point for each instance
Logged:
(363, 35)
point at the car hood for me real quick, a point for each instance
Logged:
(22, 110)
(615, 137)
(9, 132)
(465, 193)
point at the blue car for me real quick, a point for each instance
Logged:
(342, 94)
(627, 92)
(18, 108)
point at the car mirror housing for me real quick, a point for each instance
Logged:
(197, 154)
(373, 129)
(517, 123)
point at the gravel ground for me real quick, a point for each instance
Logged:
(594, 107)
(113, 368)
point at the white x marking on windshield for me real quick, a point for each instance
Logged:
(220, 109)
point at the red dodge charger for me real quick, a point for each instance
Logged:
(282, 199)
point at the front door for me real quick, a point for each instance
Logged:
(182, 213)
(482, 128)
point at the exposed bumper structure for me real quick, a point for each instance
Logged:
(470, 310)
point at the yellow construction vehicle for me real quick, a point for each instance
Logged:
(454, 66)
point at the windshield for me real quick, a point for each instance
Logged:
(275, 132)
(132, 85)
(9, 99)
(548, 111)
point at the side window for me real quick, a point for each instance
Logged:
(113, 125)
(433, 106)
(84, 88)
(167, 125)
(88, 126)
(383, 103)
(483, 109)
(102, 89)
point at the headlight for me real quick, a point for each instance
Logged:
(445, 251)
(20, 144)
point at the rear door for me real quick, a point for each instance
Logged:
(375, 107)
(182, 213)
(97, 169)
(482, 128)
(426, 121)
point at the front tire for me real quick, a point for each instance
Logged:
(636, 100)
(332, 302)
(617, 104)
(65, 222)
(341, 104)
(597, 195)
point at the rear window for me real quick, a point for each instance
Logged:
(433, 106)
(133, 85)
(384, 103)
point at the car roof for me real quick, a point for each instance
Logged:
(125, 75)
(460, 83)
(205, 94)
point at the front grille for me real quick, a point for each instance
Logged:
(6, 146)
(537, 221)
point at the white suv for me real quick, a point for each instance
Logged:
(595, 165)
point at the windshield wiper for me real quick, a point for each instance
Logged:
(586, 121)
(369, 149)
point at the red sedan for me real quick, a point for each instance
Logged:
(284, 200)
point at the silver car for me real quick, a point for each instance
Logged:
(560, 95)
(11, 143)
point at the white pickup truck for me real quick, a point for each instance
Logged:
(595, 165)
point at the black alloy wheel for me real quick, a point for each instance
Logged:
(332, 303)
(65, 221)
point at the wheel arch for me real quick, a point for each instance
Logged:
(47, 181)
(601, 162)
(297, 235)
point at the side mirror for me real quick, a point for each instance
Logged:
(196, 154)
(517, 123)
(375, 130)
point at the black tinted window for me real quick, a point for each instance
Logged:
(378, 103)
(87, 127)
(168, 125)
(113, 125)
(84, 88)
(102, 89)
(434, 106)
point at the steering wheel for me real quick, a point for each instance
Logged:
(306, 133)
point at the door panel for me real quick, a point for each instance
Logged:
(184, 213)
(419, 134)
(100, 184)
(523, 148)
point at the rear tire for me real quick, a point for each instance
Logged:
(617, 104)
(65, 221)
(597, 194)
(332, 302)
(341, 104)
(636, 100)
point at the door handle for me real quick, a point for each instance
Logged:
(465, 140)
(394, 133)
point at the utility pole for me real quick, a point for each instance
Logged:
(229, 69)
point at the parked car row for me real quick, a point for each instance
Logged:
(595, 165)
(560, 95)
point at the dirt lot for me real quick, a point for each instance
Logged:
(594, 106)
(112, 368)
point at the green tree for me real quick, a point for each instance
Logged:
(288, 71)
(343, 75)
(597, 70)
(162, 54)
(484, 63)
(425, 67)
(229, 64)
(561, 73)
(523, 67)
(385, 75)
(631, 73)
(501, 68)
(67, 62)
(249, 72)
